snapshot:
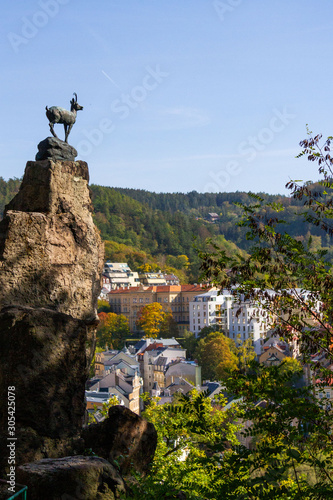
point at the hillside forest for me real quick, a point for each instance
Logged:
(153, 231)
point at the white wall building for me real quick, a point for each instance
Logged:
(238, 320)
(209, 309)
(119, 275)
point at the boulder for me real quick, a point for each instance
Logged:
(43, 355)
(71, 478)
(125, 438)
(55, 149)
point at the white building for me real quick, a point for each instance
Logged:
(209, 309)
(238, 320)
(119, 275)
(247, 319)
(153, 279)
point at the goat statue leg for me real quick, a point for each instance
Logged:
(66, 133)
(52, 130)
(68, 128)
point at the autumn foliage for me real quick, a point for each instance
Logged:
(150, 319)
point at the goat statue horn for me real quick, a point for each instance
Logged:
(75, 96)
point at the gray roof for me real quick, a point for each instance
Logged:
(161, 360)
(139, 344)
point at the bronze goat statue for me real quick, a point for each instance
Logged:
(61, 115)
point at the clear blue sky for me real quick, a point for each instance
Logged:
(178, 95)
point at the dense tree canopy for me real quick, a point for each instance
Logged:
(216, 356)
(112, 330)
(189, 432)
(151, 318)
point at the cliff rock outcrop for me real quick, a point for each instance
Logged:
(51, 258)
(51, 253)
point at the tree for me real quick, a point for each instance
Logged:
(103, 306)
(245, 353)
(193, 436)
(92, 364)
(292, 368)
(293, 280)
(169, 327)
(150, 319)
(189, 342)
(206, 330)
(216, 357)
(112, 330)
(291, 455)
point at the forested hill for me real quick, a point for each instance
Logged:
(161, 229)
(193, 202)
(197, 206)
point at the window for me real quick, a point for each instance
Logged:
(140, 300)
(165, 299)
(147, 299)
(135, 300)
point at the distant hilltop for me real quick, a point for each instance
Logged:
(141, 227)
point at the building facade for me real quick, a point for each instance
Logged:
(238, 320)
(174, 299)
(119, 275)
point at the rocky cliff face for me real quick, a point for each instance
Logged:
(51, 253)
(51, 259)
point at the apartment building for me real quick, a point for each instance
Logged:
(174, 298)
(238, 320)
(152, 279)
(119, 275)
(209, 309)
